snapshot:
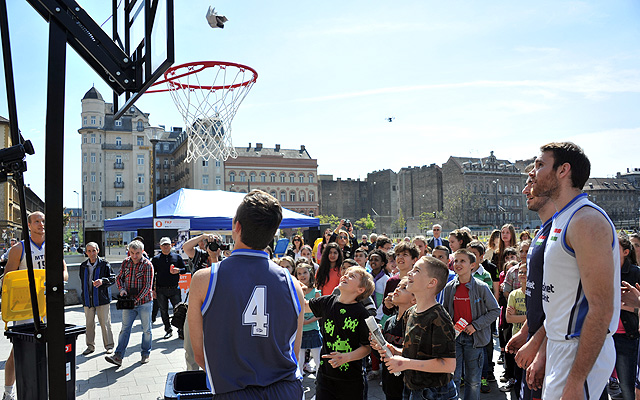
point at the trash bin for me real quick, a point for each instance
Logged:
(187, 385)
(30, 357)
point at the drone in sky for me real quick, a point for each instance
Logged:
(390, 119)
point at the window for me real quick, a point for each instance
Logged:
(118, 214)
(93, 120)
(312, 196)
(218, 180)
(292, 178)
(301, 178)
(93, 158)
(232, 176)
(84, 138)
(118, 178)
(84, 157)
(311, 214)
(165, 146)
(263, 177)
(93, 216)
(252, 177)
(93, 197)
(140, 159)
(140, 140)
(205, 180)
(140, 127)
(93, 177)
(93, 138)
(282, 178)
(243, 177)
(118, 159)
(292, 196)
(118, 122)
(311, 177)
(205, 163)
(84, 177)
(274, 194)
(140, 198)
(118, 141)
(302, 196)
(118, 196)
(217, 163)
(140, 178)
(272, 177)
(84, 121)
(283, 196)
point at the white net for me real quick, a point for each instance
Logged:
(208, 95)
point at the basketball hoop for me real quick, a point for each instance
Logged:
(208, 94)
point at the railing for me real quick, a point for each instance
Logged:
(128, 203)
(118, 185)
(118, 165)
(113, 146)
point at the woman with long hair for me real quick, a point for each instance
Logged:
(294, 248)
(507, 239)
(328, 275)
(325, 239)
(492, 245)
(459, 239)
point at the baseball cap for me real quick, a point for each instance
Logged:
(165, 240)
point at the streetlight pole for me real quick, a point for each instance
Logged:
(497, 216)
(81, 216)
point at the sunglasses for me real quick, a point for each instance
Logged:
(342, 237)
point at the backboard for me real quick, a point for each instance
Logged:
(144, 30)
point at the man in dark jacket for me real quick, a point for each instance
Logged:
(167, 267)
(97, 277)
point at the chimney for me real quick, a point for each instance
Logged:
(277, 147)
(258, 146)
(302, 148)
(249, 145)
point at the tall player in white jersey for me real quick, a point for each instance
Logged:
(581, 290)
(16, 261)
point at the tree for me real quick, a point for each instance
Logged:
(365, 223)
(332, 220)
(399, 224)
(461, 207)
(426, 220)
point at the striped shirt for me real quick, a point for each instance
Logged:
(136, 279)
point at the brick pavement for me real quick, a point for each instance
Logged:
(97, 379)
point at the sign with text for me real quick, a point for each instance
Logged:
(167, 223)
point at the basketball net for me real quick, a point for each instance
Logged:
(208, 95)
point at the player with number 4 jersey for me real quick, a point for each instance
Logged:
(246, 313)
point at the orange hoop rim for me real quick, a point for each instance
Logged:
(195, 67)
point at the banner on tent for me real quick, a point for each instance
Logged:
(166, 223)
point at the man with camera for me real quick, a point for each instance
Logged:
(168, 266)
(202, 251)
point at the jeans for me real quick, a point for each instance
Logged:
(471, 359)
(164, 295)
(626, 363)
(445, 392)
(128, 316)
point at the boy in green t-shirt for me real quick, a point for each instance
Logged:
(428, 355)
(516, 315)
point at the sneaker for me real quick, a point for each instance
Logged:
(491, 377)
(144, 359)
(484, 386)
(114, 359)
(373, 375)
(168, 334)
(504, 379)
(509, 386)
(88, 351)
(108, 351)
(501, 358)
(9, 396)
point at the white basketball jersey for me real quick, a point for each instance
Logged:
(37, 255)
(563, 299)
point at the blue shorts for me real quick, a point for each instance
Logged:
(285, 390)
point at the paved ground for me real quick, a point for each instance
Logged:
(97, 379)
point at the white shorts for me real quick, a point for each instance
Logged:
(560, 357)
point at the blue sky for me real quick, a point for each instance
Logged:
(461, 78)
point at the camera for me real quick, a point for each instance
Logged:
(347, 224)
(217, 245)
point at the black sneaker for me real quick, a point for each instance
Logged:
(501, 358)
(484, 386)
(491, 377)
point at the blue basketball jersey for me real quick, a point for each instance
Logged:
(250, 319)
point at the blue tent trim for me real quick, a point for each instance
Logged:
(207, 210)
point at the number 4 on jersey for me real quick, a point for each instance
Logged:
(255, 312)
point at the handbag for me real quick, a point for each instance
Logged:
(179, 315)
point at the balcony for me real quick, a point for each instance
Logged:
(128, 203)
(166, 181)
(113, 146)
(118, 185)
(166, 166)
(118, 165)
